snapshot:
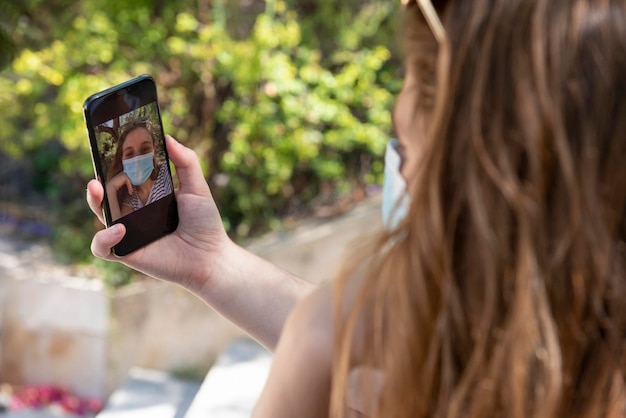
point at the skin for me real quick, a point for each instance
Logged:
(138, 142)
(403, 118)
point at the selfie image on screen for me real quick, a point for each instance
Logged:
(131, 150)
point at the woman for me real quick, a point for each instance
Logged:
(136, 178)
(501, 292)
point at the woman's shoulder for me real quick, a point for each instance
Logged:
(311, 328)
(163, 184)
(313, 316)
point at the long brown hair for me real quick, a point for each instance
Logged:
(502, 294)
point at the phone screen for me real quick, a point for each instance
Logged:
(131, 161)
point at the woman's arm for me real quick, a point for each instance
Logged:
(254, 294)
(299, 381)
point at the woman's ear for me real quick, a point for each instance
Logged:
(405, 106)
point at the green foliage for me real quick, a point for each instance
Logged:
(295, 117)
(279, 104)
(10, 13)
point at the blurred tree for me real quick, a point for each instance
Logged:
(9, 14)
(283, 101)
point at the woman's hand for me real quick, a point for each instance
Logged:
(251, 292)
(113, 187)
(116, 183)
(182, 256)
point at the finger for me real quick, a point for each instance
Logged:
(104, 240)
(188, 168)
(95, 194)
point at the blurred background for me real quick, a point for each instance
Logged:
(287, 102)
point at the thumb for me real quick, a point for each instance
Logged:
(104, 240)
(188, 168)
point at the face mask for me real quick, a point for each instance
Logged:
(396, 201)
(139, 168)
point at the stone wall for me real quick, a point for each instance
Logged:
(54, 331)
(159, 325)
(70, 332)
(315, 249)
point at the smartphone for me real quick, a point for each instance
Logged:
(130, 159)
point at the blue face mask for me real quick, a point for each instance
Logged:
(139, 168)
(396, 201)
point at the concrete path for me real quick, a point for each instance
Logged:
(234, 383)
(150, 394)
(230, 389)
